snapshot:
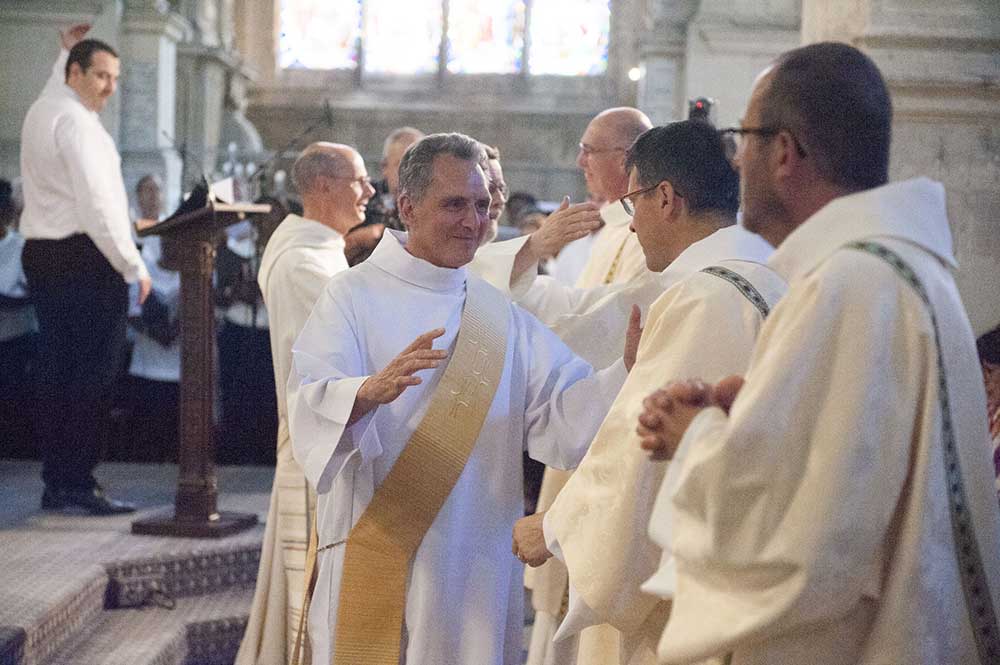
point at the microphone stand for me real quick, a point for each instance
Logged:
(326, 119)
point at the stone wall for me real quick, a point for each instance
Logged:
(942, 64)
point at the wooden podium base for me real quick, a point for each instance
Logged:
(225, 524)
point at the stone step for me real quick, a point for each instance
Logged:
(209, 567)
(45, 600)
(55, 584)
(198, 630)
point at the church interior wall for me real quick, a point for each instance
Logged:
(940, 60)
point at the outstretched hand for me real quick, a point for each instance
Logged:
(73, 35)
(388, 384)
(633, 335)
(566, 224)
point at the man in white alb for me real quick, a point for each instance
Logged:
(840, 509)
(683, 194)
(300, 258)
(78, 259)
(388, 444)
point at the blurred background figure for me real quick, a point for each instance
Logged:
(152, 388)
(18, 334)
(248, 423)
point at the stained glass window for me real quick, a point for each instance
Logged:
(569, 37)
(319, 34)
(485, 37)
(402, 37)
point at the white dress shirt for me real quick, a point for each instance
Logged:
(72, 177)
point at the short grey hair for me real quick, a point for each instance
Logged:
(408, 134)
(313, 164)
(416, 168)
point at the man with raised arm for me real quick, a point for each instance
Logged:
(300, 258)
(841, 508)
(79, 258)
(416, 387)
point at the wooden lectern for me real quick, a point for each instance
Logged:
(189, 240)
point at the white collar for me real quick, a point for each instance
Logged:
(731, 242)
(911, 210)
(391, 256)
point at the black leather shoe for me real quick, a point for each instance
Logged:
(93, 501)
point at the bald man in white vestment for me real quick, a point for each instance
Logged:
(684, 195)
(366, 368)
(300, 258)
(840, 508)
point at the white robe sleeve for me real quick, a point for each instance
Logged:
(494, 262)
(765, 532)
(322, 388)
(566, 400)
(58, 76)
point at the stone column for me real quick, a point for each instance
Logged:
(941, 61)
(150, 33)
(729, 42)
(204, 65)
(662, 51)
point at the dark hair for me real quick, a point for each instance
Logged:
(83, 53)
(690, 155)
(832, 97)
(988, 347)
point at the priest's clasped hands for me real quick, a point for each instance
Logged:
(668, 412)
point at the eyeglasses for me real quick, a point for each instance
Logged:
(628, 201)
(591, 150)
(739, 132)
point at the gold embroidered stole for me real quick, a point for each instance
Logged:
(385, 538)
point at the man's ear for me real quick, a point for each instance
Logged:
(667, 198)
(785, 155)
(405, 206)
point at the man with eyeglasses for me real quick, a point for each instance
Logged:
(300, 258)
(836, 505)
(683, 197)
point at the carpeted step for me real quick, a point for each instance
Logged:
(186, 570)
(46, 598)
(199, 630)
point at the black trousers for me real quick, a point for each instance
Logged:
(81, 303)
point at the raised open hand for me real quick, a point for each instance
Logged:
(73, 35)
(566, 224)
(388, 384)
